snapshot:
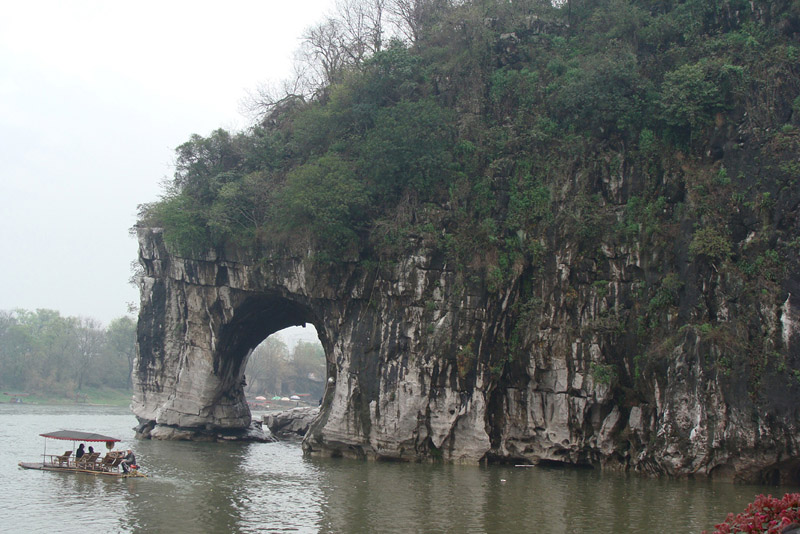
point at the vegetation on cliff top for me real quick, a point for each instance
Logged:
(493, 132)
(484, 113)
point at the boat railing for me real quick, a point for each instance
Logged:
(109, 463)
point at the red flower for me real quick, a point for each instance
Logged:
(765, 515)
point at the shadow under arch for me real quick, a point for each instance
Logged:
(253, 321)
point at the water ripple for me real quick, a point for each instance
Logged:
(270, 487)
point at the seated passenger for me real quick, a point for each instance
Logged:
(129, 461)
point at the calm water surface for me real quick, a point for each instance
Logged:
(270, 487)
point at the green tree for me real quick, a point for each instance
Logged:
(42, 351)
(89, 346)
(121, 343)
(54, 345)
(603, 92)
(267, 368)
(204, 164)
(308, 359)
(325, 199)
(692, 94)
(410, 147)
(185, 223)
(16, 347)
(710, 243)
(241, 208)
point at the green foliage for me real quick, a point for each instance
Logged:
(513, 91)
(688, 97)
(274, 370)
(588, 219)
(768, 266)
(506, 138)
(602, 93)
(241, 208)
(500, 129)
(465, 360)
(641, 217)
(44, 352)
(325, 198)
(528, 204)
(601, 288)
(410, 147)
(184, 223)
(495, 278)
(667, 293)
(389, 77)
(692, 94)
(648, 143)
(711, 244)
(204, 164)
(722, 178)
(603, 373)
(121, 343)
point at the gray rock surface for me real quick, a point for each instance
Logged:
(425, 364)
(253, 432)
(291, 424)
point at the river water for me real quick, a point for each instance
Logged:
(271, 487)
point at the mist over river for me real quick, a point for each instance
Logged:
(271, 487)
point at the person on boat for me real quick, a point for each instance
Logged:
(79, 452)
(128, 461)
(91, 449)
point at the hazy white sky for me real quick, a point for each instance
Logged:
(94, 98)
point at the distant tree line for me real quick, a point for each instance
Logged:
(273, 370)
(41, 351)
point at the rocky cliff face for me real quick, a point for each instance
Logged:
(572, 238)
(427, 363)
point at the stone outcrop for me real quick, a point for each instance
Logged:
(424, 363)
(253, 432)
(291, 424)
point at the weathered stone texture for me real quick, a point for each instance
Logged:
(291, 424)
(420, 365)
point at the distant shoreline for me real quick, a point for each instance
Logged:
(88, 397)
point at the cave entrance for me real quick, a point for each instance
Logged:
(286, 370)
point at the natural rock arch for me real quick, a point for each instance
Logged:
(418, 367)
(196, 333)
(254, 320)
(386, 367)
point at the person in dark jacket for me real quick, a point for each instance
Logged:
(128, 461)
(79, 452)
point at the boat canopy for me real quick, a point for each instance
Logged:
(74, 435)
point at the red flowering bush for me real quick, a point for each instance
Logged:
(765, 515)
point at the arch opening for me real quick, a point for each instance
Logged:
(251, 336)
(286, 370)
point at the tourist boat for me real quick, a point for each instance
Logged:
(108, 465)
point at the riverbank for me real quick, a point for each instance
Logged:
(86, 396)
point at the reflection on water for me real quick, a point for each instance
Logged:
(270, 487)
